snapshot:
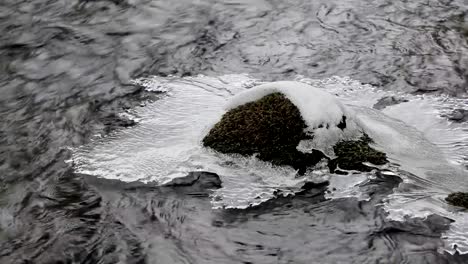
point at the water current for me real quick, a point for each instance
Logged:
(104, 104)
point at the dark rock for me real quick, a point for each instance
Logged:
(202, 180)
(352, 154)
(387, 101)
(308, 187)
(198, 184)
(342, 124)
(459, 115)
(113, 122)
(271, 127)
(458, 199)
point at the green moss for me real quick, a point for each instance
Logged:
(272, 127)
(458, 199)
(352, 154)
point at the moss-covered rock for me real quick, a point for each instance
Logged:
(458, 199)
(352, 154)
(271, 127)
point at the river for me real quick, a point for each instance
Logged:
(78, 127)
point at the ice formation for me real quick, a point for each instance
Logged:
(322, 112)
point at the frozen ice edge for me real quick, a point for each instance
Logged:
(349, 91)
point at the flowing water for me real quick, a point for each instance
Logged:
(86, 146)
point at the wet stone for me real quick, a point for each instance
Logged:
(458, 199)
(352, 154)
(459, 115)
(272, 128)
(202, 180)
(388, 101)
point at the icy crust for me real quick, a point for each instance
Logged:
(317, 107)
(165, 145)
(327, 119)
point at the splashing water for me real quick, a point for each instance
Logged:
(430, 151)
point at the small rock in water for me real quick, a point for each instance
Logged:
(352, 154)
(200, 179)
(458, 199)
(114, 121)
(387, 101)
(459, 115)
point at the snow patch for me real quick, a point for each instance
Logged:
(321, 111)
(317, 106)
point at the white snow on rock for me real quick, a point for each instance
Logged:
(322, 112)
(317, 106)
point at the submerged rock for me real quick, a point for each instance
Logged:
(273, 126)
(388, 101)
(459, 115)
(458, 199)
(197, 180)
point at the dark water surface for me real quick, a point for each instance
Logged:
(66, 69)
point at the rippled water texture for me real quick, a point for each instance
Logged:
(66, 71)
